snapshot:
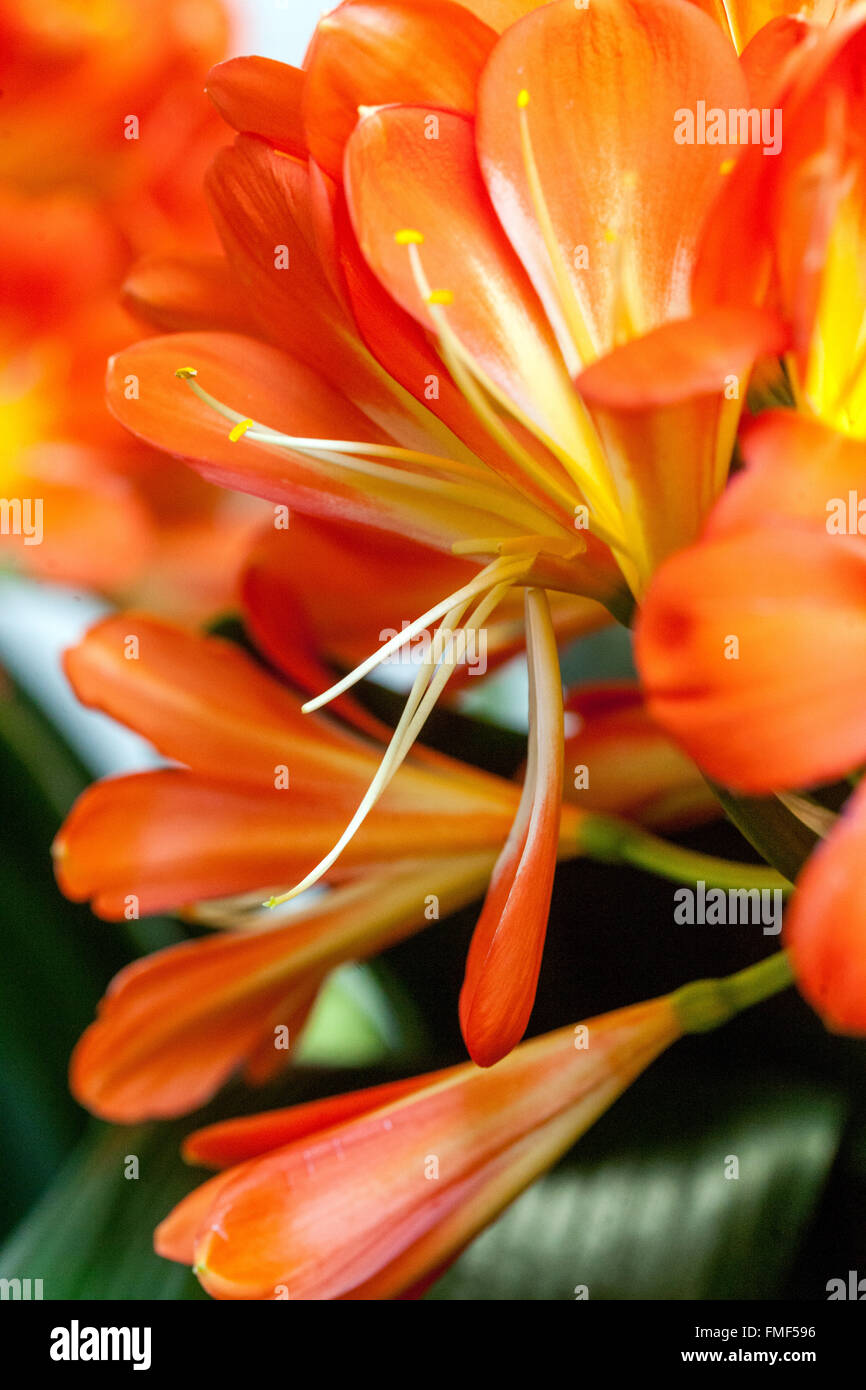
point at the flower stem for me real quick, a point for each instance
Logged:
(705, 1004)
(614, 841)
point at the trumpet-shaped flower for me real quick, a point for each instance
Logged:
(260, 793)
(373, 1194)
(473, 327)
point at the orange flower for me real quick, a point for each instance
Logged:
(262, 792)
(105, 133)
(373, 1194)
(526, 293)
(752, 651)
(472, 327)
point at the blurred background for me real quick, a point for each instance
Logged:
(642, 1209)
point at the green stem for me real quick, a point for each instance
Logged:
(614, 841)
(705, 1004)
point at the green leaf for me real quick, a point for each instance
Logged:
(57, 959)
(91, 1236)
(772, 828)
(644, 1209)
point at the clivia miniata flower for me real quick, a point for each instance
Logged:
(256, 792)
(465, 379)
(469, 321)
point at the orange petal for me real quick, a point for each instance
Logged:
(261, 204)
(263, 97)
(175, 1238)
(293, 285)
(174, 1026)
(397, 180)
(620, 192)
(235, 1141)
(354, 1213)
(682, 359)
(780, 211)
(751, 652)
(171, 838)
(825, 926)
(380, 52)
(177, 293)
(799, 472)
(766, 55)
(505, 956)
(404, 349)
(666, 406)
(204, 702)
(281, 393)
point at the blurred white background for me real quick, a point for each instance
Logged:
(277, 28)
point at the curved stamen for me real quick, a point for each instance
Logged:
(428, 686)
(483, 491)
(499, 569)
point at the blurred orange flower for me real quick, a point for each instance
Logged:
(105, 136)
(781, 574)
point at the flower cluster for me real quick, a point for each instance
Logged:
(529, 319)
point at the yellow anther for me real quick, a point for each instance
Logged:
(523, 99)
(726, 166)
(440, 297)
(409, 237)
(610, 234)
(184, 373)
(240, 428)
